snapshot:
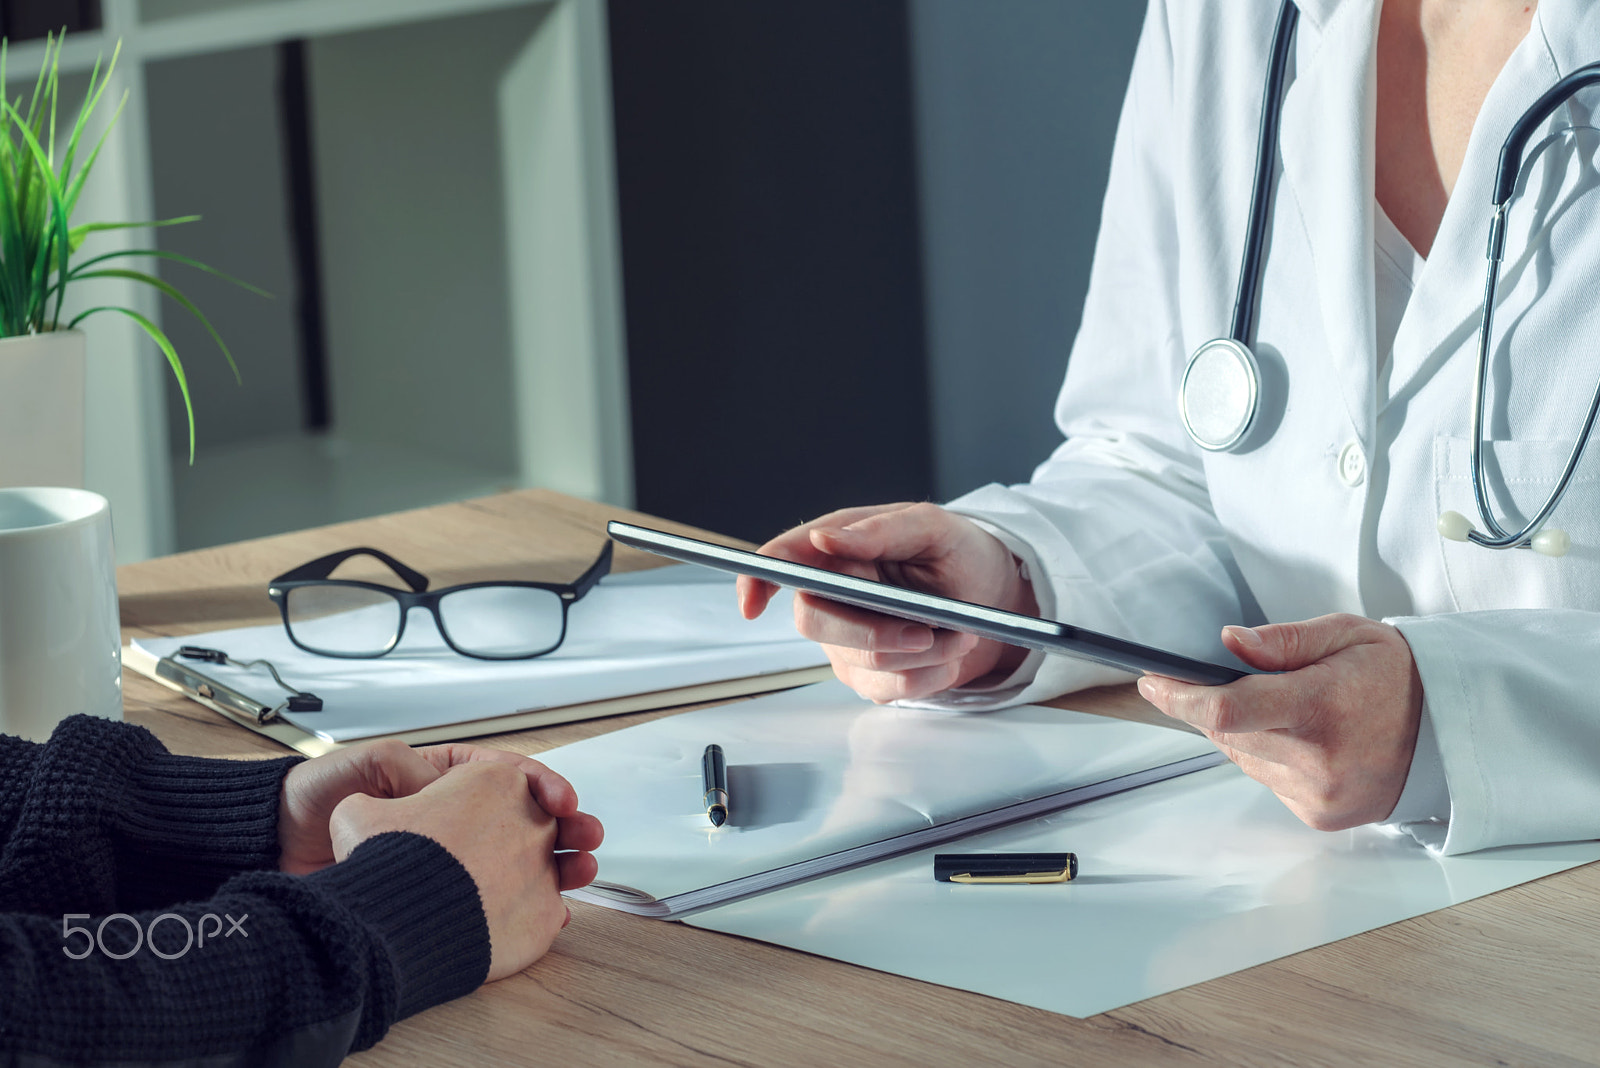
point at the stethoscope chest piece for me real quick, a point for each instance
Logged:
(1220, 395)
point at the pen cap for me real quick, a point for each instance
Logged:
(1001, 865)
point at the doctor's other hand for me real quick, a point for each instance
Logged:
(1333, 735)
(916, 546)
(484, 814)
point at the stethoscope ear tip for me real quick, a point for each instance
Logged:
(1454, 526)
(1551, 541)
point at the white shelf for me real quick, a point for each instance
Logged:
(230, 25)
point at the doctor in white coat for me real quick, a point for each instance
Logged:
(1437, 685)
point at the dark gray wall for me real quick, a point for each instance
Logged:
(1016, 106)
(766, 178)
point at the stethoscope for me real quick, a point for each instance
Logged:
(1220, 397)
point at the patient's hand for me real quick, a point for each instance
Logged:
(388, 769)
(485, 815)
(918, 546)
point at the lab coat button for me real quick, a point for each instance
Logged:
(1352, 465)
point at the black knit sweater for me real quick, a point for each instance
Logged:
(296, 970)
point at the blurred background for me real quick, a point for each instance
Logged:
(727, 262)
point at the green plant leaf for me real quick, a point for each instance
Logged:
(12, 292)
(56, 229)
(91, 99)
(173, 292)
(78, 233)
(163, 254)
(55, 92)
(75, 184)
(38, 85)
(166, 347)
(19, 230)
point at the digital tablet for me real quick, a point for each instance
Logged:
(1029, 632)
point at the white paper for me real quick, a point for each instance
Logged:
(633, 633)
(817, 769)
(1180, 882)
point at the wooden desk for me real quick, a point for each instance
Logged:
(1513, 978)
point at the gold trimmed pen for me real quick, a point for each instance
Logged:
(714, 774)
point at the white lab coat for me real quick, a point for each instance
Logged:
(1130, 529)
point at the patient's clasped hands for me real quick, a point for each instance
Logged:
(511, 822)
(1332, 735)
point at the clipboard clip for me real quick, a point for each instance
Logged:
(297, 701)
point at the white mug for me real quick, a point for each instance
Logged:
(60, 640)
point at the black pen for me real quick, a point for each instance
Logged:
(714, 773)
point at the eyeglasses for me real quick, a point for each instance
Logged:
(485, 620)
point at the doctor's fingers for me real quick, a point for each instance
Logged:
(754, 594)
(799, 544)
(922, 532)
(1280, 778)
(886, 686)
(1328, 789)
(1253, 703)
(948, 646)
(832, 623)
(795, 544)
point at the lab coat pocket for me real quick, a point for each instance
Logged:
(1521, 476)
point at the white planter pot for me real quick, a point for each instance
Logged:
(41, 409)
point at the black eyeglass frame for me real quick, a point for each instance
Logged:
(317, 571)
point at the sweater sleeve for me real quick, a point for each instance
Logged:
(273, 969)
(103, 807)
(17, 758)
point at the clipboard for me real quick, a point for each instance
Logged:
(189, 680)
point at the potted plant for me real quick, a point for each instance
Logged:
(42, 350)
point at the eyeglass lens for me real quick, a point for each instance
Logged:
(342, 620)
(502, 621)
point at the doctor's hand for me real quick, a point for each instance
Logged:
(916, 546)
(1333, 735)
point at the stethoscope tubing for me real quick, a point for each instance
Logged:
(1250, 272)
(1506, 174)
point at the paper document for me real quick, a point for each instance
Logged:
(1179, 882)
(816, 772)
(637, 632)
